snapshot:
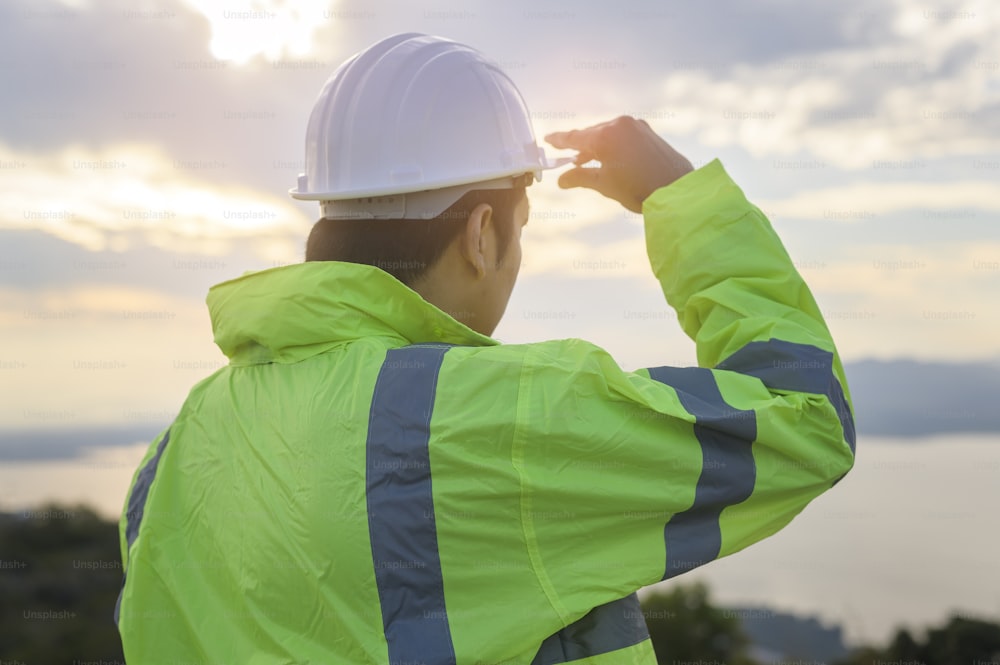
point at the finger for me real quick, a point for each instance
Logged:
(580, 177)
(574, 139)
(584, 140)
(583, 157)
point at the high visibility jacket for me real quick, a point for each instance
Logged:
(370, 481)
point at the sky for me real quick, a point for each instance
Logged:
(146, 150)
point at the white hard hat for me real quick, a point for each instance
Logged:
(406, 127)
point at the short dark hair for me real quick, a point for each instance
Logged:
(406, 248)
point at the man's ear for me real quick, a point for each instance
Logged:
(473, 240)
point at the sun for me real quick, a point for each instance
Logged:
(275, 29)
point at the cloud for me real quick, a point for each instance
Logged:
(865, 200)
(151, 83)
(928, 89)
(891, 299)
(89, 354)
(97, 199)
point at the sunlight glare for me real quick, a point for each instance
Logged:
(248, 28)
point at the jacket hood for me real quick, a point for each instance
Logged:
(290, 313)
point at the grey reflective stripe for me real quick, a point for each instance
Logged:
(728, 472)
(616, 625)
(137, 506)
(118, 603)
(805, 368)
(140, 492)
(401, 520)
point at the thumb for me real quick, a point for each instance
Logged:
(580, 177)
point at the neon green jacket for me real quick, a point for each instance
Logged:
(370, 481)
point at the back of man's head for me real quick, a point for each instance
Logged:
(407, 248)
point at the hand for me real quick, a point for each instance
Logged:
(635, 162)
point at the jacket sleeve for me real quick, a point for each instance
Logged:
(628, 478)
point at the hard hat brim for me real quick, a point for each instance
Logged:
(545, 164)
(425, 204)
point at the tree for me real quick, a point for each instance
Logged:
(60, 572)
(960, 641)
(963, 641)
(685, 626)
(904, 646)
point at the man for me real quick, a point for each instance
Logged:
(373, 479)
